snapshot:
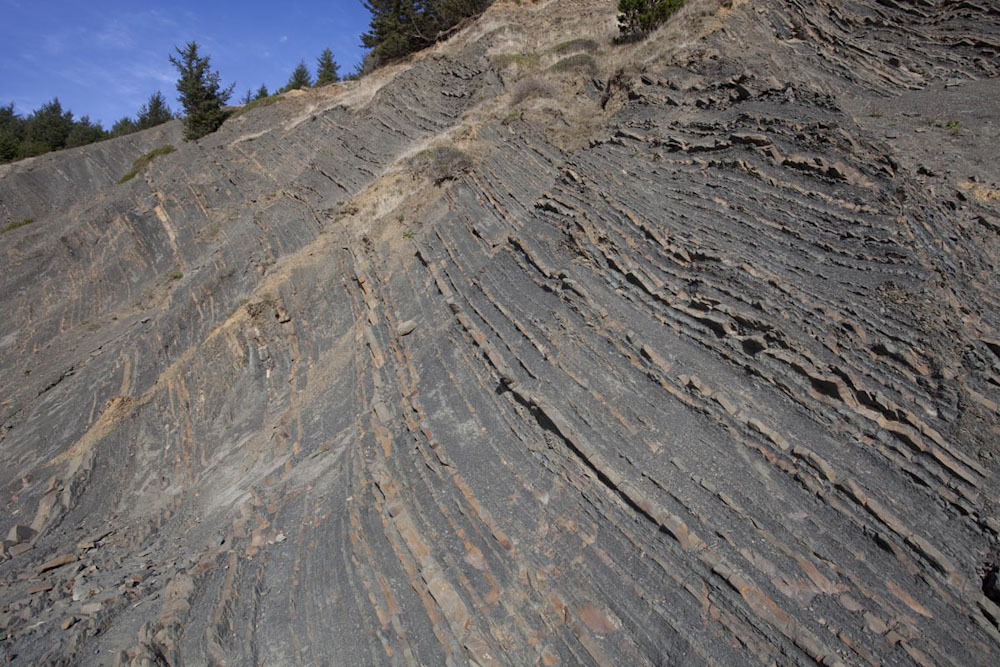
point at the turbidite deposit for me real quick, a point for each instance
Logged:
(534, 349)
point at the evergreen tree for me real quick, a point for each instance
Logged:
(445, 14)
(154, 112)
(639, 17)
(46, 129)
(11, 133)
(300, 78)
(201, 92)
(84, 132)
(358, 71)
(261, 92)
(248, 98)
(123, 126)
(391, 32)
(400, 27)
(326, 69)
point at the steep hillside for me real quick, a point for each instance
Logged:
(533, 349)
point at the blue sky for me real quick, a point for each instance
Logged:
(104, 58)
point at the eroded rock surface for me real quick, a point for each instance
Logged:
(681, 352)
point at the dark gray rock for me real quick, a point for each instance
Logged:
(704, 373)
(19, 533)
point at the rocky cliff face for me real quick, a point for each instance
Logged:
(532, 350)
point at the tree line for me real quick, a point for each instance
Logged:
(51, 128)
(204, 99)
(327, 72)
(398, 28)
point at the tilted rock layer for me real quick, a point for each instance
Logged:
(534, 349)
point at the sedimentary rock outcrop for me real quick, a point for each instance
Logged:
(534, 349)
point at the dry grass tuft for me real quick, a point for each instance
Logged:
(530, 88)
(581, 62)
(441, 163)
(574, 45)
(518, 61)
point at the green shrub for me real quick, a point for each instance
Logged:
(640, 17)
(14, 225)
(141, 163)
(954, 126)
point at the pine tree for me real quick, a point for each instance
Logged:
(391, 30)
(400, 27)
(11, 133)
(356, 73)
(47, 129)
(300, 78)
(123, 126)
(154, 112)
(326, 69)
(445, 14)
(84, 132)
(639, 17)
(201, 92)
(261, 92)
(248, 98)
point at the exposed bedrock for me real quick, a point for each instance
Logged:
(687, 353)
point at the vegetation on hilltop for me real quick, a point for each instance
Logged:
(154, 112)
(400, 27)
(640, 17)
(326, 69)
(300, 78)
(50, 127)
(201, 92)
